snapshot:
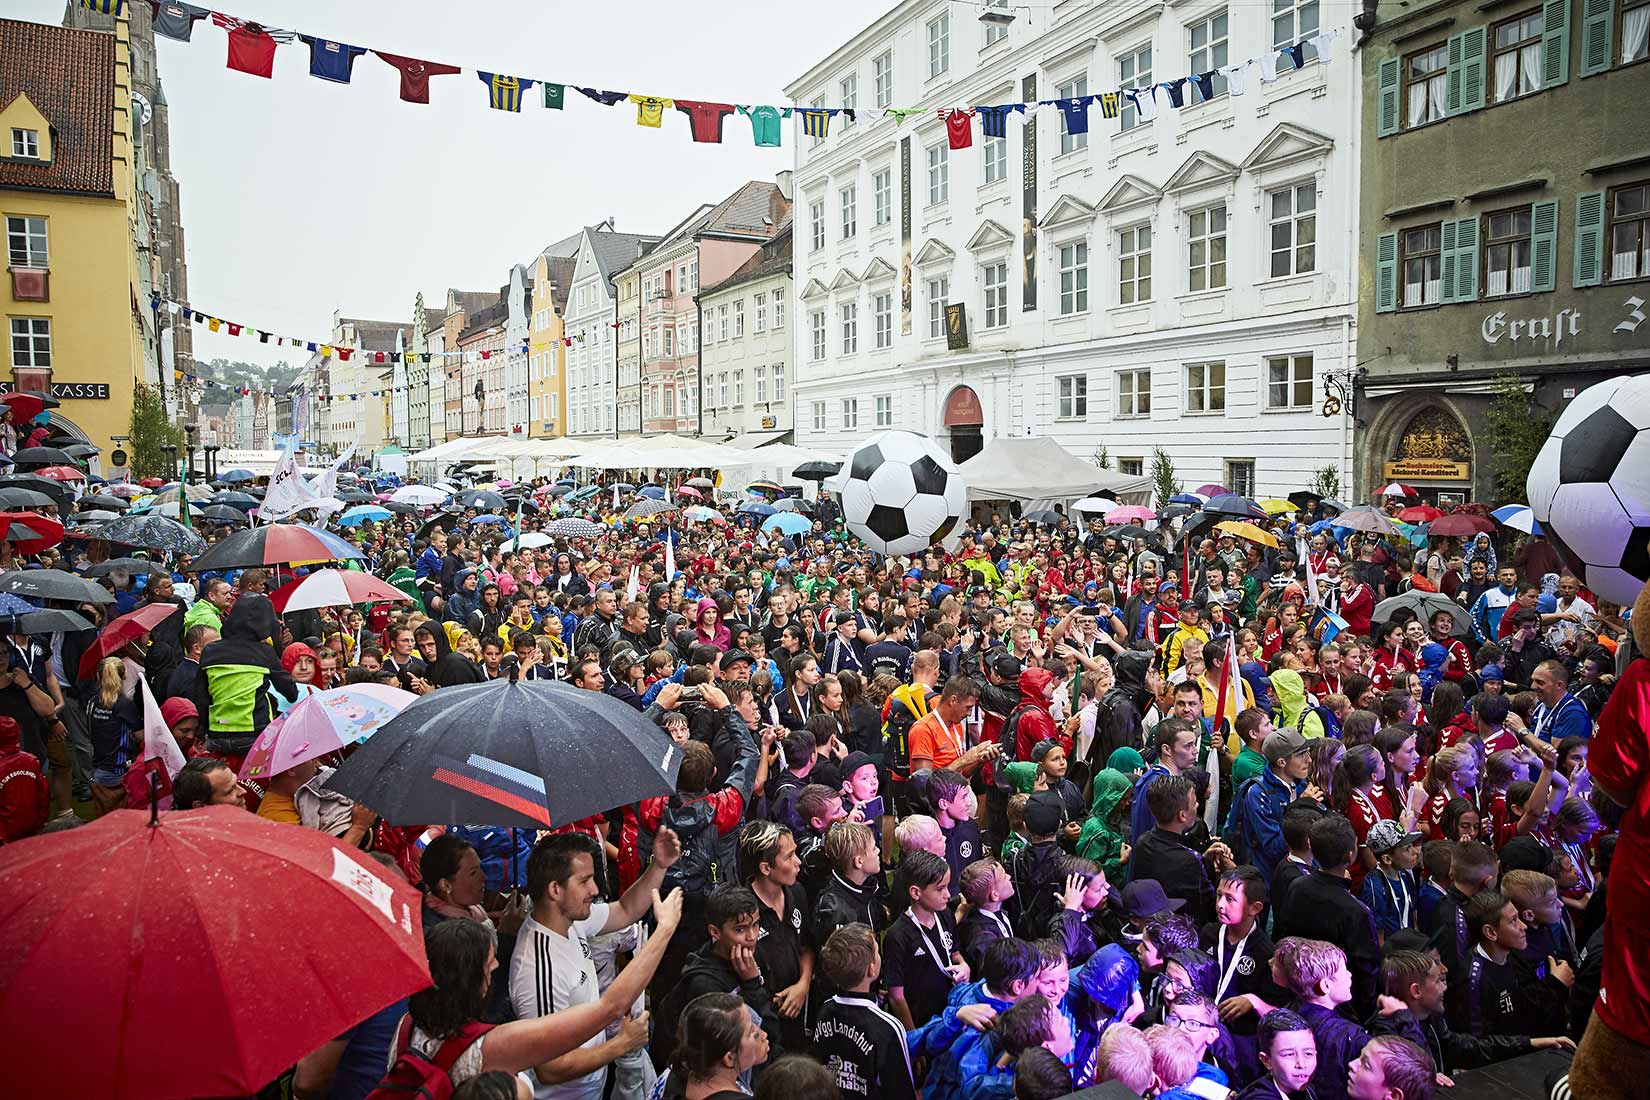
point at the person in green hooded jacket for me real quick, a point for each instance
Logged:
(1101, 839)
(1294, 712)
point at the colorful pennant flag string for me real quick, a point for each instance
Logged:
(252, 47)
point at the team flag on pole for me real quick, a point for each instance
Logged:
(1311, 574)
(1228, 702)
(635, 585)
(161, 755)
(670, 555)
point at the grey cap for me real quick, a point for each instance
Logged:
(1282, 744)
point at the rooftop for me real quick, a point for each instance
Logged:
(69, 75)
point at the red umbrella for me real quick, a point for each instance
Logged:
(333, 588)
(222, 947)
(31, 532)
(1397, 489)
(151, 483)
(1461, 525)
(24, 406)
(128, 628)
(60, 473)
(1420, 513)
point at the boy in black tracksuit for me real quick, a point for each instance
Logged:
(1501, 993)
(850, 895)
(727, 963)
(1420, 980)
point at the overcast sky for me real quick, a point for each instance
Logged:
(301, 196)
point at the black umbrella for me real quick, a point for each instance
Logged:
(1127, 531)
(793, 504)
(1304, 499)
(42, 456)
(232, 499)
(444, 520)
(80, 450)
(520, 754)
(817, 470)
(484, 500)
(525, 503)
(1230, 504)
(573, 528)
(103, 500)
(154, 533)
(53, 584)
(558, 490)
(223, 513)
(356, 496)
(56, 490)
(646, 508)
(1423, 606)
(1043, 517)
(12, 499)
(276, 544)
(398, 506)
(51, 621)
(1174, 511)
(123, 565)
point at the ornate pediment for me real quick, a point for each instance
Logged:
(1201, 170)
(814, 289)
(934, 252)
(844, 279)
(1066, 210)
(990, 234)
(1128, 193)
(1288, 144)
(878, 270)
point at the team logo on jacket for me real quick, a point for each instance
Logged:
(796, 920)
(1246, 965)
(966, 849)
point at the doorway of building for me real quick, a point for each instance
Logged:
(964, 420)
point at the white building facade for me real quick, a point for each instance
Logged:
(1175, 278)
(518, 320)
(748, 376)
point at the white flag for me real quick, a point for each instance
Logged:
(635, 584)
(1311, 574)
(615, 496)
(158, 742)
(326, 486)
(670, 555)
(288, 493)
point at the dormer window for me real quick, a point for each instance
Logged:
(25, 143)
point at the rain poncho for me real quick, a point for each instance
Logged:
(1101, 839)
(1293, 713)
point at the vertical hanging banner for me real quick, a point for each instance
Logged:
(1028, 202)
(905, 236)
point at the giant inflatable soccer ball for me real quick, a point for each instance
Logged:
(899, 494)
(1590, 487)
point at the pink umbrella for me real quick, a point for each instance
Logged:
(1130, 513)
(1211, 490)
(334, 588)
(322, 723)
(689, 491)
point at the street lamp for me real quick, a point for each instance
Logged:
(188, 455)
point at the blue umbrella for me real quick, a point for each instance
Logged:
(489, 518)
(1188, 498)
(1519, 517)
(759, 508)
(363, 513)
(237, 475)
(625, 487)
(787, 523)
(15, 605)
(652, 492)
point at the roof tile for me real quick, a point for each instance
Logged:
(70, 76)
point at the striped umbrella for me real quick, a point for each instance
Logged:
(334, 588)
(276, 544)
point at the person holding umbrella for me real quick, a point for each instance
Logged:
(238, 674)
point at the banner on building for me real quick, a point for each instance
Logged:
(905, 236)
(1028, 204)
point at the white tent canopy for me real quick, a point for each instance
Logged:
(1038, 469)
(455, 448)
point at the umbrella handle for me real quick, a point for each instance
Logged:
(154, 798)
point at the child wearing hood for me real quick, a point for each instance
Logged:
(1434, 658)
(708, 627)
(1046, 771)
(1101, 838)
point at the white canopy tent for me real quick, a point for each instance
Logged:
(1037, 469)
(454, 449)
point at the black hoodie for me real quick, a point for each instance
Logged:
(451, 668)
(232, 689)
(1121, 710)
(707, 972)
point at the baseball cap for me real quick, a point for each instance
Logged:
(853, 762)
(1525, 853)
(1282, 744)
(733, 657)
(1144, 897)
(1045, 813)
(1387, 835)
(1006, 665)
(1410, 939)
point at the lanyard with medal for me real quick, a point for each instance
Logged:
(1228, 972)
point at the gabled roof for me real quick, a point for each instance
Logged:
(493, 316)
(559, 270)
(772, 258)
(470, 302)
(69, 76)
(616, 251)
(751, 211)
(1286, 144)
(990, 234)
(377, 335)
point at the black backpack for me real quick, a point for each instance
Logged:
(701, 868)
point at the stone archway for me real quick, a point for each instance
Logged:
(1428, 437)
(963, 418)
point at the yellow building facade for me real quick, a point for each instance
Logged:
(547, 348)
(71, 298)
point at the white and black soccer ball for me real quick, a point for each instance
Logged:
(1590, 487)
(901, 495)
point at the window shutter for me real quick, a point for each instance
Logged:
(1589, 259)
(1390, 86)
(1452, 82)
(1446, 262)
(1473, 43)
(1598, 24)
(1466, 260)
(1543, 245)
(1386, 273)
(1555, 43)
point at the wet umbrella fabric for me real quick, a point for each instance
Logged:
(573, 528)
(155, 533)
(528, 754)
(54, 584)
(191, 914)
(1424, 605)
(17, 497)
(128, 628)
(275, 544)
(42, 456)
(646, 508)
(49, 621)
(816, 470)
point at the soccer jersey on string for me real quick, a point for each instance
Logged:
(898, 113)
(1176, 91)
(330, 60)
(994, 120)
(650, 110)
(252, 45)
(959, 126)
(555, 96)
(606, 99)
(765, 122)
(176, 21)
(1108, 103)
(504, 91)
(415, 75)
(816, 121)
(1076, 112)
(705, 117)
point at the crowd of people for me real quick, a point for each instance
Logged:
(1062, 806)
